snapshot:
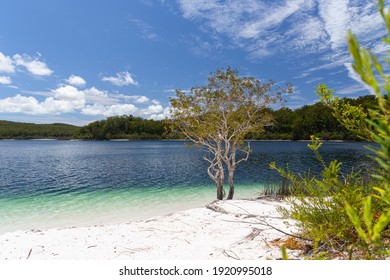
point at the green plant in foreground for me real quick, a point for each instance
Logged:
(372, 235)
(375, 127)
(317, 203)
(349, 215)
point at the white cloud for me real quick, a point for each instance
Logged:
(380, 48)
(64, 99)
(307, 34)
(76, 80)
(170, 90)
(5, 80)
(272, 16)
(146, 30)
(94, 95)
(19, 104)
(121, 109)
(58, 106)
(174, 90)
(155, 102)
(200, 47)
(302, 75)
(153, 109)
(111, 110)
(32, 65)
(95, 92)
(251, 25)
(335, 16)
(69, 93)
(141, 99)
(135, 98)
(351, 89)
(297, 97)
(353, 75)
(6, 64)
(365, 21)
(94, 110)
(164, 114)
(91, 101)
(31, 106)
(121, 79)
(263, 28)
(313, 80)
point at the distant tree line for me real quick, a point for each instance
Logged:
(288, 124)
(316, 119)
(122, 127)
(19, 130)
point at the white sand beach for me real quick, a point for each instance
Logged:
(237, 229)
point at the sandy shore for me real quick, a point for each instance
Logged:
(238, 229)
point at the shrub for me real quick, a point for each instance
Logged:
(349, 216)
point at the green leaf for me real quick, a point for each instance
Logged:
(384, 195)
(284, 253)
(377, 65)
(382, 223)
(367, 215)
(356, 222)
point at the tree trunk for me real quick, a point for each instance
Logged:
(231, 184)
(220, 180)
(217, 174)
(220, 191)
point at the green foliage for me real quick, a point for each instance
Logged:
(352, 117)
(376, 127)
(240, 103)
(122, 127)
(374, 124)
(220, 115)
(348, 214)
(18, 130)
(370, 230)
(317, 119)
(318, 206)
(284, 253)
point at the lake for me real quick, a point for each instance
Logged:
(73, 183)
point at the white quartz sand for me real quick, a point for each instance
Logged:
(237, 229)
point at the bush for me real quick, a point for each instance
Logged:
(318, 206)
(349, 216)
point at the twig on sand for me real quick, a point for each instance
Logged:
(160, 229)
(261, 221)
(231, 255)
(29, 254)
(251, 236)
(266, 243)
(255, 232)
(121, 250)
(213, 207)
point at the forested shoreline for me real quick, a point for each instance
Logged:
(20, 130)
(288, 124)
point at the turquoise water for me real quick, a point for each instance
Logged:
(48, 184)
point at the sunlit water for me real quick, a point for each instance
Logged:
(47, 184)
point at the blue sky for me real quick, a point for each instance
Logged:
(80, 61)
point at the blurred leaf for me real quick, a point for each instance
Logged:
(382, 223)
(367, 215)
(354, 218)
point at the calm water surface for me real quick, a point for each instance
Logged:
(65, 183)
